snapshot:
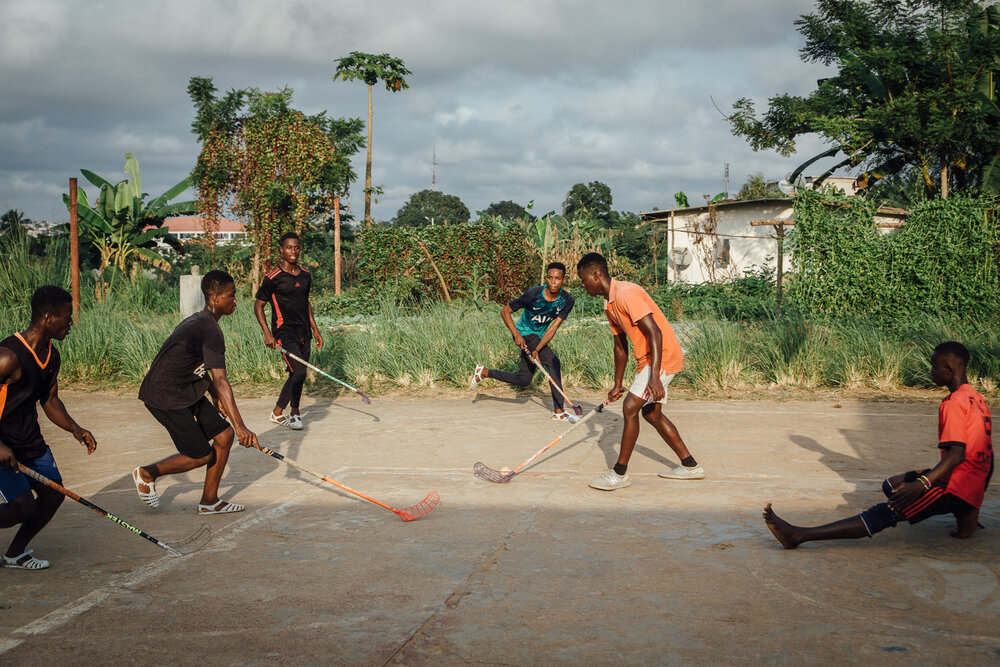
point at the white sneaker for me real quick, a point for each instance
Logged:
(477, 377)
(565, 417)
(681, 472)
(610, 480)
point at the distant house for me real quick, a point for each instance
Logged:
(718, 243)
(190, 228)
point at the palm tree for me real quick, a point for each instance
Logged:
(371, 69)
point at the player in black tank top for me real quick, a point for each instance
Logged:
(29, 366)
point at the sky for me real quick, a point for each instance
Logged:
(518, 99)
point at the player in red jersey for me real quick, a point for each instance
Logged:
(954, 486)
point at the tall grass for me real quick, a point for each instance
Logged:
(438, 345)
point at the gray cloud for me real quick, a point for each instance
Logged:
(519, 99)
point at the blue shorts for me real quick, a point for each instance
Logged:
(14, 483)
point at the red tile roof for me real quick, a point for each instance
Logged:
(194, 223)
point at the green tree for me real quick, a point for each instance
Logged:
(121, 225)
(13, 221)
(507, 210)
(430, 207)
(757, 187)
(276, 167)
(592, 200)
(371, 69)
(915, 88)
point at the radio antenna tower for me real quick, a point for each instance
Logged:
(725, 182)
(434, 169)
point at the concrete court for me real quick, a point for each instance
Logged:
(540, 570)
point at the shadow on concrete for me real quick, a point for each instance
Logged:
(846, 466)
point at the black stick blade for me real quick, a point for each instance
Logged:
(190, 545)
(483, 471)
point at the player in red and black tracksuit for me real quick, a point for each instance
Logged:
(286, 288)
(956, 485)
(29, 369)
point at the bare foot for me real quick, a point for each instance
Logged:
(785, 532)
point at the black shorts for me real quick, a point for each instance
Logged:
(934, 502)
(193, 427)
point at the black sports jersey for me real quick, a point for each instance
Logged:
(289, 298)
(19, 400)
(177, 378)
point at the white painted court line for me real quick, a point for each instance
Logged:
(68, 612)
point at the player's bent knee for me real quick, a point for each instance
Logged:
(224, 439)
(21, 509)
(878, 518)
(631, 406)
(50, 498)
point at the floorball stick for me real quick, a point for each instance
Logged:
(483, 471)
(406, 514)
(364, 399)
(180, 548)
(576, 408)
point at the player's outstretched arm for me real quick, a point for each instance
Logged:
(315, 329)
(654, 339)
(7, 458)
(905, 494)
(621, 361)
(223, 392)
(57, 414)
(10, 371)
(549, 335)
(258, 311)
(505, 315)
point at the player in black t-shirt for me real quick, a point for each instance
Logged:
(286, 288)
(192, 361)
(29, 369)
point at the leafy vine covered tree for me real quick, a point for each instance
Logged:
(915, 89)
(273, 165)
(371, 69)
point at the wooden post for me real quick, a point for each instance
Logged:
(780, 230)
(672, 246)
(779, 233)
(336, 246)
(74, 249)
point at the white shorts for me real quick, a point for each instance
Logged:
(642, 381)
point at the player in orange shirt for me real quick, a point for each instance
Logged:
(634, 317)
(956, 485)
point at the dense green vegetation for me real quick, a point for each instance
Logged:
(381, 343)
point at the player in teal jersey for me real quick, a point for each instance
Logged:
(546, 307)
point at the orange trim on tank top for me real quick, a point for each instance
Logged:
(3, 398)
(32, 350)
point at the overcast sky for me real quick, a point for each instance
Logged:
(520, 99)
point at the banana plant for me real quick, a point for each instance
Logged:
(116, 223)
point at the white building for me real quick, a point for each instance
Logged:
(191, 228)
(718, 242)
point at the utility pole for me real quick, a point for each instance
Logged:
(74, 249)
